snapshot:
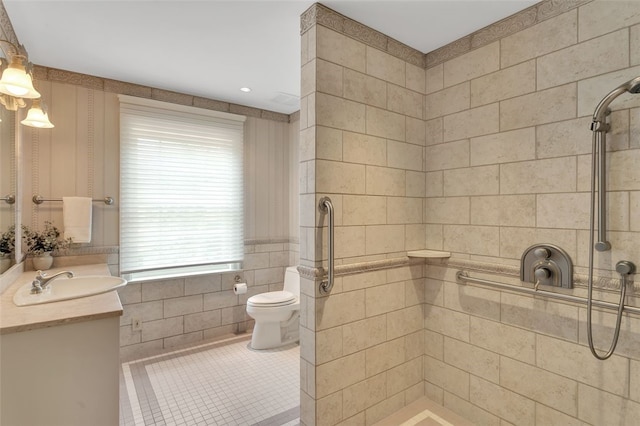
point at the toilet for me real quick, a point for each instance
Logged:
(277, 314)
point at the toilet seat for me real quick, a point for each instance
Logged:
(272, 299)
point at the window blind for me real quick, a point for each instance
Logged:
(181, 190)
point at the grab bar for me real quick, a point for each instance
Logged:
(462, 276)
(37, 199)
(9, 199)
(326, 206)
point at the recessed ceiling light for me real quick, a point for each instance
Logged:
(245, 89)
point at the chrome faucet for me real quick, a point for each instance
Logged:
(42, 280)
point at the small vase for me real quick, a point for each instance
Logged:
(42, 262)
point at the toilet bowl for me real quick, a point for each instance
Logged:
(276, 314)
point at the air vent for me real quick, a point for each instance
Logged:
(286, 99)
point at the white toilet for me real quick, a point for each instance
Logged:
(277, 314)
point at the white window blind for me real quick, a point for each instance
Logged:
(181, 186)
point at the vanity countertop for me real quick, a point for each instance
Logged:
(14, 318)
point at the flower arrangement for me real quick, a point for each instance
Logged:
(42, 242)
(8, 241)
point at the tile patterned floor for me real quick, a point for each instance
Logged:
(222, 383)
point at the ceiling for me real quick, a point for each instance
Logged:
(212, 48)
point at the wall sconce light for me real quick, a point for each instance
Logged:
(16, 85)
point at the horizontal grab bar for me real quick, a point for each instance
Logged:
(37, 199)
(9, 199)
(464, 277)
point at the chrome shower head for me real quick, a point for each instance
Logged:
(631, 86)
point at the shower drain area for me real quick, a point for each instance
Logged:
(223, 383)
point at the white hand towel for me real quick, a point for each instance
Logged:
(76, 212)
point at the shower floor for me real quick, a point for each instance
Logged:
(220, 383)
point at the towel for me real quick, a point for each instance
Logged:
(76, 212)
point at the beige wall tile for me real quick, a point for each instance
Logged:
(504, 210)
(434, 78)
(415, 79)
(434, 292)
(339, 113)
(447, 377)
(363, 88)
(328, 345)
(563, 210)
(623, 173)
(384, 408)
(603, 17)
(147, 311)
(414, 236)
(384, 298)
(364, 210)
(404, 210)
(414, 343)
(416, 131)
(469, 411)
(364, 149)
(452, 210)
(434, 345)
(384, 356)
(182, 305)
(539, 385)
(384, 66)
(385, 124)
(328, 78)
(404, 376)
(504, 84)
(404, 156)
(339, 374)
(202, 321)
(340, 49)
(505, 147)
(503, 339)
(434, 185)
(482, 180)
(487, 210)
(385, 181)
(635, 211)
(540, 176)
(618, 410)
(404, 321)
(501, 402)
(153, 330)
(451, 155)
(569, 137)
(634, 128)
(349, 241)
(434, 131)
(554, 33)
(635, 381)
(472, 359)
(471, 239)
(337, 177)
(384, 239)
(329, 410)
(156, 290)
(514, 241)
(364, 334)
(405, 101)
(549, 416)
(634, 34)
(592, 90)
(542, 316)
(547, 106)
(452, 99)
(415, 184)
(473, 300)
(474, 122)
(363, 395)
(603, 328)
(328, 143)
(433, 392)
(339, 309)
(584, 60)
(447, 322)
(131, 293)
(363, 280)
(308, 78)
(473, 64)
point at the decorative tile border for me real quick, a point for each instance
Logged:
(322, 15)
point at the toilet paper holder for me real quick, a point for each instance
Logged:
(546, 264)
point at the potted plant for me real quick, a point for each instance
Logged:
(7, 247)
(40, 244)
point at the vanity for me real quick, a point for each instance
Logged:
(59, 362)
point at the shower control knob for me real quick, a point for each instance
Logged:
(542, 253)
(542, 274)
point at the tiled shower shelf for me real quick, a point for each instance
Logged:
(429, 254)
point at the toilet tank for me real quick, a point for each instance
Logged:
(292, 280)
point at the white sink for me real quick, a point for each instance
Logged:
(68, 288)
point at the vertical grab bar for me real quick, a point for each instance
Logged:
(326, 206)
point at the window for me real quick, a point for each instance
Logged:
(181, 187)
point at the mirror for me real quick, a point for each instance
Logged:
(7, 182)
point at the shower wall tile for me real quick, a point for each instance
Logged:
(624, 246)
(598, 18)
(447, 377)
(415, 79)
(503, 403)
(571, 137)
(339, 49)
(547, 106)
(405, 101)
(505, 147)
(623, 171)
(470, 411)
(340, 309)
(327, 78)
(415, 184)
(478, 302)
(635, 381)
(482, 240)
(549, 416)
(603, 327)
(563, 210)
(339, 113)
(385, 181)
(364, 88)
(384, 356)
(364, 210)
(539, 385)
(592, 403)
(503, 339)
(473, 64)
(404, 376)
(450, 210)
(634, 205)
(434, 184)
(384, 239)
(635, 45)
(386, 124)
(364, 149)
(404, 156)
(349, 241)
(634, 128)
(504, 84)
(404, 322)
(338, 177)
(557, 33)
(434, 131)
(473, 122)
(360, 335)
(540, 176)
(327, 143)
(584, 60)
(592, 90)
(514, 241)
(470, 358)
(434, 78)
(446, 322)
(451, 155)
(504, 210)
(385, 67)
(403, 210)
(363, 395)
(483, 180)
(452, 99)
(339, 374)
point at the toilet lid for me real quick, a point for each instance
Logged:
(272, 298)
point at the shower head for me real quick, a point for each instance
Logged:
(631, 86)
